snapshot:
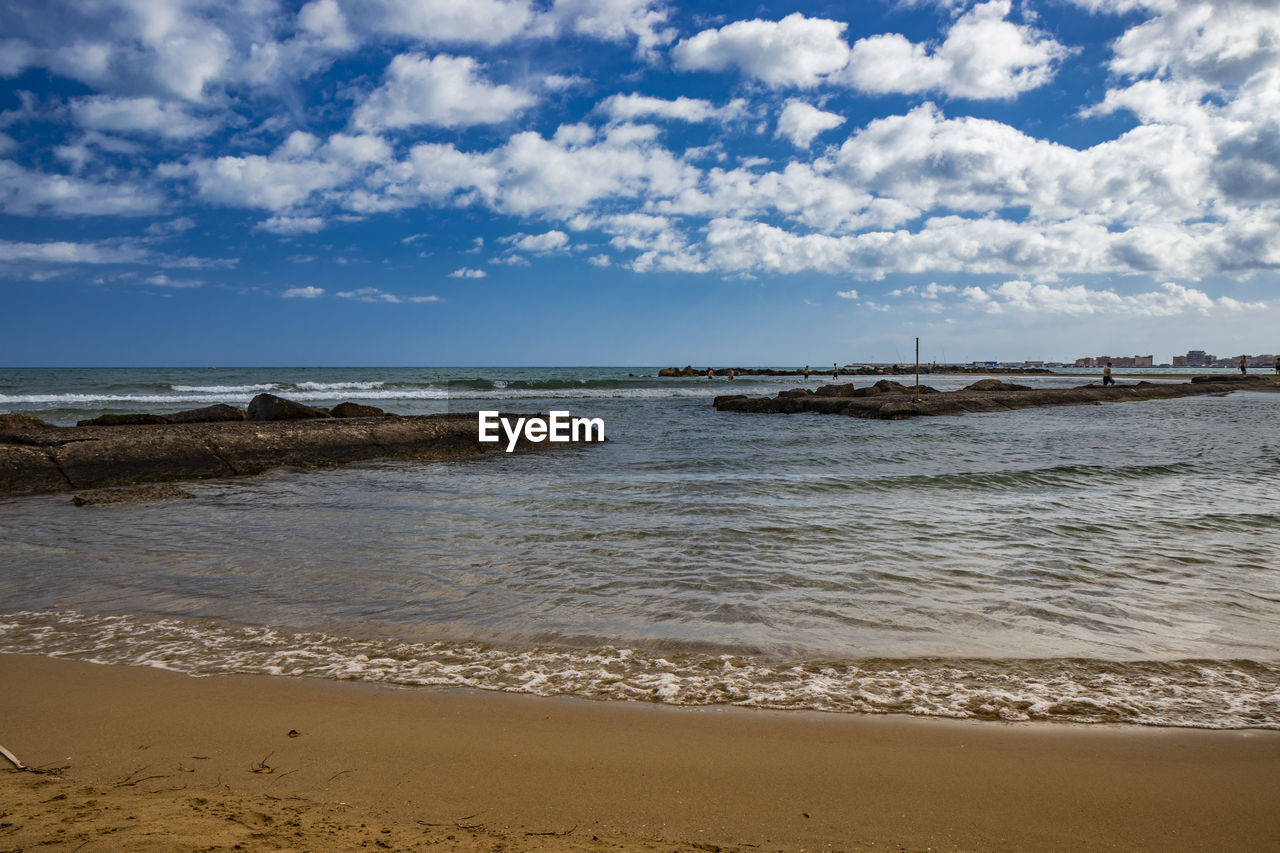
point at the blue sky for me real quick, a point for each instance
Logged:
(631, 182)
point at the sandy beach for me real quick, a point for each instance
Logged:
(155, 760)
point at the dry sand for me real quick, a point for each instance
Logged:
(160, 761)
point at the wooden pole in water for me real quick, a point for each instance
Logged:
(916, 398)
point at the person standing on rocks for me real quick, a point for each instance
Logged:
(835, 371)
(806, 369)
(1278, 365)
(1244, 365)
(1106, 376)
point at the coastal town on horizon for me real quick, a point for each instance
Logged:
(1192, 359)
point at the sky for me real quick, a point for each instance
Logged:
(636, 182)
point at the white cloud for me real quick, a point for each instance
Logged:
(633, 106)
(617, 20)
(488, 22)
(142, 115)
(27, 193)
(162, 280)
(801, 122)
(446, 91)
(601, 260)
(424, 299)
(1079, 301)
(551, 241)
(308, 292)
(292, 225)
(1221, 42)
(467, 272)
(295, 172)
(847, 294)
(368, 294)
(984, 56)
(796, 51)
(65, 252)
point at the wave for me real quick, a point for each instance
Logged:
(1229, 694)
(89, 401)
(338, 386)
(225, 389)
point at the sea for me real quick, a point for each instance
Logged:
(1104, 564)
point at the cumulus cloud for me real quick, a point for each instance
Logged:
(633, 106)
(551, 241)
(616, 20)
(467, 272)
(308, 292)
(801, 122)
(796, 51)
(28, 193)
(368, 294)
(1079, 301)
(488, 22)
(983, 56)
(162, 280)
(291, 175)
(292, 225)
(446, 91)
(847, 294)
(139, 115)
(67, 252)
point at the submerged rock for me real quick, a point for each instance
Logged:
(269, 407)
(132, 494)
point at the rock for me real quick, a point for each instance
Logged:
(55, 458)
(355, 410)
(208, 415)
(269, 407)
(796, 392)
(136, 419)
(132, 494)
(995, 385)
(893, 401)
(13, 420)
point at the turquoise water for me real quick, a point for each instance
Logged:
(1116, 563)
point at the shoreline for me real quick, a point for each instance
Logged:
(410, 768)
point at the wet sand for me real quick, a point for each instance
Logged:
(160, 761)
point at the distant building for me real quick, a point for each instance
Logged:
(1085, 362)
(1179, 361)
(1144, 360)
(1197, 358)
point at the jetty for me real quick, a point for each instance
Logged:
(127, 450)
(889, 400)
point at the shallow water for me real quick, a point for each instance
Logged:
(1115, 563)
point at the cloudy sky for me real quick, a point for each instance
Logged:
(636, 181)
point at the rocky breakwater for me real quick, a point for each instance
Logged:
(887, 400)
(39, 457)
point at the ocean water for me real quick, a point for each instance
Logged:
(1099, 564)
